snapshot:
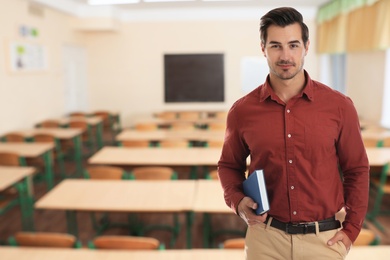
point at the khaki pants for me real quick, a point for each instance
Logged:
(264, 242)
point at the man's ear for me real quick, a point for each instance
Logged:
(307, 47)
(263, 49)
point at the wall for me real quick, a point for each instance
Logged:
(29, 97)
(365, 83)
(126, 67)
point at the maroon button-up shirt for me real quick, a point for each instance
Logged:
(302, 146)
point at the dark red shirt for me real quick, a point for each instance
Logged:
(300, 146)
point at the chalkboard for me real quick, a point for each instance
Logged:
(194, 77)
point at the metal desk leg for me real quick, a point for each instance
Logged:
(78, 155)
(71, 220)
(99, 135)
(190, 220)
(26, 203)
(49, 173)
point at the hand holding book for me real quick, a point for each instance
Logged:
(255, 188)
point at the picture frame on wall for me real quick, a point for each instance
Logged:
(27, 57)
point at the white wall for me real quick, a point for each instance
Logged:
(126, 67)
(29, 97)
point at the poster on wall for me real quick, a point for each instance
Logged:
(26, 57)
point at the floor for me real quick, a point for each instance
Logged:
(54, 221)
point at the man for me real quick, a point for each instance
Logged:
(302, 134)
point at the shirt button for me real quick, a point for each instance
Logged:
(289, 135)
(290, 161)
(288, 110)
(294, 212)
(292, 187)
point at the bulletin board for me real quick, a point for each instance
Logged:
(25, 57)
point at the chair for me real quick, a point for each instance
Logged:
(57, 152)
(131, 143)
(174, 144)
(167, 115)
(86, 136)
(78, 113)
(11, 159)
(153, 173)
(189, 115)
(182, 126)
(125, 242)
(157, 173)
(14, 137)
(108, 123)
(221, 114)
(216, 126)
(214, 143)
(105, 173)
(44, 239)
(234, 243)
(50, 124)
(146, 126)
(372, 142)
(366, 237)
(213, 175)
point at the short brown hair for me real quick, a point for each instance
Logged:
(282, 17)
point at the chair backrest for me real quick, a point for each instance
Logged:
(371, 142)
(44, 138)
(104, 173)
(167, 115)
(50, 124)
(189, 115)
(14, 137)
(215, 143)
(78, 113)
(44, 239)
(213, 175)
(105, 115)
(153, 173)
(126, 242)
(221, 114)
(234, 243)
(10, 159)
(146, 126)
(140, 143)
(386, 142)
(80, 125)
(182, 126)
(174, 143)
(366, 237)
(217, 126)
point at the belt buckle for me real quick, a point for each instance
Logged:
(296, 229)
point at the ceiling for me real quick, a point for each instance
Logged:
(182, 10)
(216, 3)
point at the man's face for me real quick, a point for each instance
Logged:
(285, 51)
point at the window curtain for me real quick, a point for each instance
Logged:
(353, 25)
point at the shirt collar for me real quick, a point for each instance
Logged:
(266, 91)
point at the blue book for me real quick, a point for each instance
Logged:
(254, 187)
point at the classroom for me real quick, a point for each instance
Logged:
(110, 62)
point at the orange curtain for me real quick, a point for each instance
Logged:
(361, 29)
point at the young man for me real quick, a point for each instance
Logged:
(302, 134)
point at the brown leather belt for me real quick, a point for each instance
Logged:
(306, 228)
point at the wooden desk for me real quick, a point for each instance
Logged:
(156, 156)
(92, 121)
(21, 178)
(119, 196)
(34, 150)
(159, 135)
(209, 200)
(163, 123)
(193, 157)
(27, 253)
(61, 134)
